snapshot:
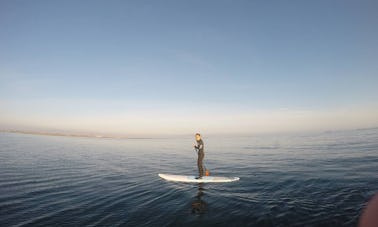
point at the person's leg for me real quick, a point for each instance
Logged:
(199, 164)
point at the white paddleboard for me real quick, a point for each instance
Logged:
(205, 179)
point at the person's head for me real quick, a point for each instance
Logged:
(198, 136)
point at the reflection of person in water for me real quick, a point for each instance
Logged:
(198, 205)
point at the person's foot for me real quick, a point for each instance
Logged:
(197, 178)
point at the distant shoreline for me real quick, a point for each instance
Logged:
(100, 136)
(83, 135)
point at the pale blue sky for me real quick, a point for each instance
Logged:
(161, 65)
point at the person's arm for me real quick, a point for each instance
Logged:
(200, 145)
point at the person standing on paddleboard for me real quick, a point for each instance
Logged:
(199, 148)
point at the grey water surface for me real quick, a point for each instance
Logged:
(322, 179)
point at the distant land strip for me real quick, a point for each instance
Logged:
(86, 135)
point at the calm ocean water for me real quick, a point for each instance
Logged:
(298, 180)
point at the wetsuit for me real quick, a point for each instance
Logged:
(201, 155)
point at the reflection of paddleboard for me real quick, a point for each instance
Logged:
(182, 178)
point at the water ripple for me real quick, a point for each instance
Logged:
(304, 181)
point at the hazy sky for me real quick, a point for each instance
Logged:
(149, 67)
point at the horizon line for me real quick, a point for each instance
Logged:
(108, 136)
